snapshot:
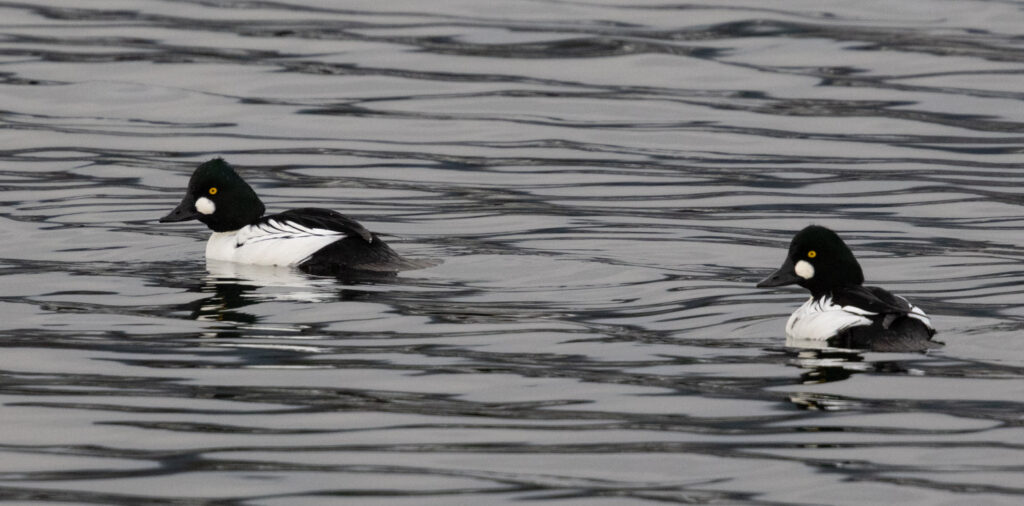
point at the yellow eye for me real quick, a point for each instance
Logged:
(812, 254)
(213, 190)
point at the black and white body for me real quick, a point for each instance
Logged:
(318, 241)
(842, 312)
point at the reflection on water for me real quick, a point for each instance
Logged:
(605, 184)
(233, 286)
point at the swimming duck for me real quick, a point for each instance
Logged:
(842, 312)
(315, 240)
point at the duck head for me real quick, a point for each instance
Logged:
(218, 197)
(819, 261)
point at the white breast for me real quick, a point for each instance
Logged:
(820, 320)
(270, 243)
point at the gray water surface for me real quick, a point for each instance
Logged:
(605, 182)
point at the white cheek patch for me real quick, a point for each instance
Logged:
(804, 269)
(205, 206)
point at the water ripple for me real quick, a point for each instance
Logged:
(605, 184)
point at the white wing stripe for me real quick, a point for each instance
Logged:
(918, 314)
(275, 230)
(826, 304)
(307, 230)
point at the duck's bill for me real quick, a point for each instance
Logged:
(786, 275)
(185, 211)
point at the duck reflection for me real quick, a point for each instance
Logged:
(232, 286)
(828, 365)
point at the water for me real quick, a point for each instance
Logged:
(605, 183)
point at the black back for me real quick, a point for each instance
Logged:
(871, 298)
(360, 251)
(891, 329)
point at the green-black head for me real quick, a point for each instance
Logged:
(819, 261)
(218, 197)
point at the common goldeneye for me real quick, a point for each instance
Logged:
(317, 241)
(842, 312)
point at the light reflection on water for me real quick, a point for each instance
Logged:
(605, 184)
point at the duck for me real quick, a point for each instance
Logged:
(842, 312)
(313, 240)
